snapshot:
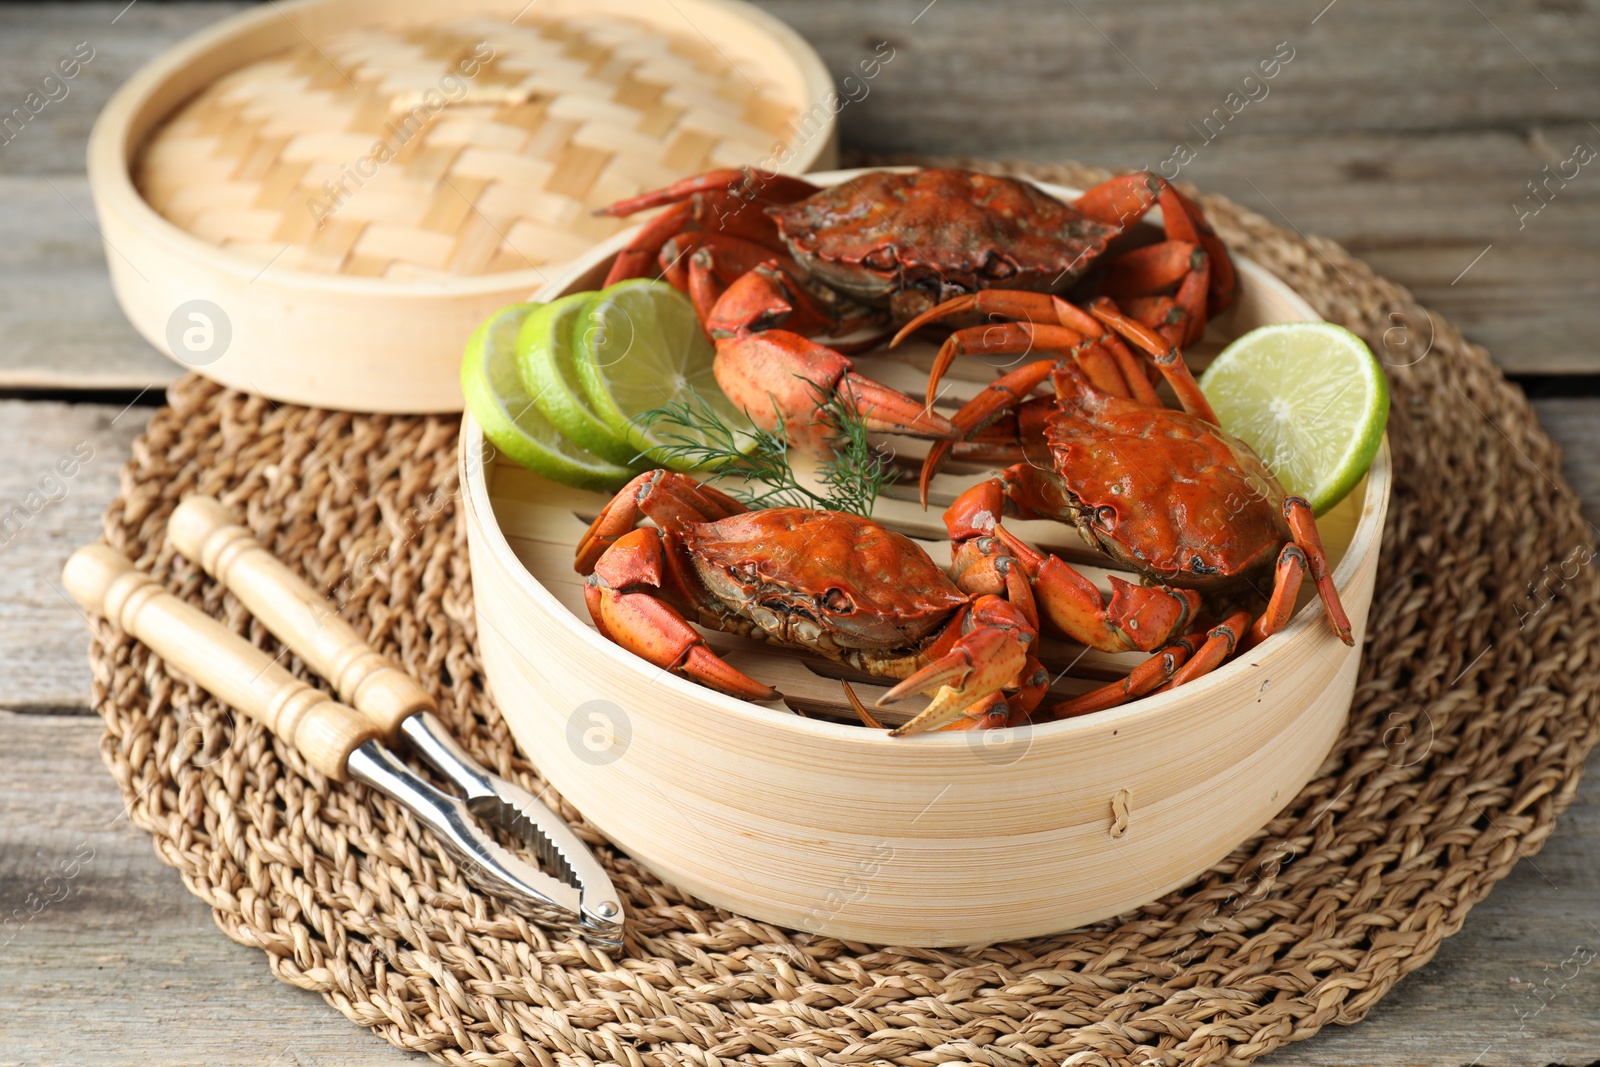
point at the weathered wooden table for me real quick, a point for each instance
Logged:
(1409, 134)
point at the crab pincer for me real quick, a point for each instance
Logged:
(781, 376)
(629, 596)
(990, 653)
(730, 202)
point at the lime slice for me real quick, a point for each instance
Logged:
(500, 402)
(642, 348)
(544, 355)
(1310, 398)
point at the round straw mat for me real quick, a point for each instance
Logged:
(1475, 708)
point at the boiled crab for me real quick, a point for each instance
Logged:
(773, 263)
(834, 583)
(1165, 493)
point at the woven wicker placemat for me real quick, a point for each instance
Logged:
(1475, 708)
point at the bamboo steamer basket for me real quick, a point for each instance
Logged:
(257, 234)
(934, 840)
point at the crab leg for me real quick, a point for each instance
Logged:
(985, 566)
(990, 654)
(1011, 338)
(1165, 355)
(1125, 199)
(1220, 643)
(1191, 297)
(1145, 272)
(766, 185)
(662, 495)
(1151, 269)
(733, 256)
(1303, 524)
(1163, 315)
(1287, 578)
(727, 201)
(641, 257)
(1138, 617)
(1142, 679)
(1038, 309)
(1221, 284)
(1011, 437)
(624, 595)
(1006, 391)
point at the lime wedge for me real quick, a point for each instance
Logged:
(641, 348)
(500, 402)
(544, 355)
(1310, 398)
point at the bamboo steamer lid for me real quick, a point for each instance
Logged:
(319, 201)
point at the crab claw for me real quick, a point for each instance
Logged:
(1125, 199)
(780, 375)
(746, 183)
(626, 596)
(1138, 617)
(729, 202)
(988, 657)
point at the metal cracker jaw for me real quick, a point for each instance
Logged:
(579, 898)
(348, 742)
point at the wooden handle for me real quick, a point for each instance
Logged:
(202, 529)
(231, 668)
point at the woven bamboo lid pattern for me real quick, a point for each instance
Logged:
(1473, 713)
(471, 146)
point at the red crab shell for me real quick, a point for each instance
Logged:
(802, 575)
(940, 232)
(1166, 493)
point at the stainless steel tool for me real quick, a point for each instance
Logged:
(348, 742)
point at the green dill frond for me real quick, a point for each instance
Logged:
(691, 432)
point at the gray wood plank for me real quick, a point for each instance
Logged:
(60, 323)
(123, 37)
(996, 78)
(1574, 423)
(45, 513)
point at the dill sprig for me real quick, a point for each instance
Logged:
(855, 472)
(851, 477)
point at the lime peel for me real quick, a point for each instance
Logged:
(498, 399)
(643, 347)
(545, 357)
(1310, 398)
